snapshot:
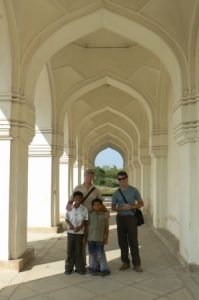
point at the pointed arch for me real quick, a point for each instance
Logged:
(137, 134)
(126, 135)
(194, 52)
(5, 55)
(104, 146)
(107, 142)
(103, 18)
(103, 79)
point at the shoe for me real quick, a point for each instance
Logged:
(124, 267)
(94, 273)
(105, 273)
(81, 273)
(138, 269)
(67, 272)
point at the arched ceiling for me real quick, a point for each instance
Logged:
(112, 64)
(107, 132)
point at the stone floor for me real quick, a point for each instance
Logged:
(164, 278)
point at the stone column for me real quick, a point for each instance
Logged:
(145, 161)
(70, 175)
(186, 132)
(137, 175)
(159, 177)
(57, 150)
(63, 183)
(80, 170)
(136, 171)
(43, 194)
(75, 174)
(16, 132)
(130, 172)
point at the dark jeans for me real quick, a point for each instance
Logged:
(128, 238)
(75, 253)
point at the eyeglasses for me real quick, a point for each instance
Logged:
(121, 178)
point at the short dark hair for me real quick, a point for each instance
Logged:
(122, 173)
(78, 193)
(97, 200)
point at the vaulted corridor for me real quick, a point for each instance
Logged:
(79, 76)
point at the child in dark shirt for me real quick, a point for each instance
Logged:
(97, 236)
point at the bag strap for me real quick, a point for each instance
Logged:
(86, 196)
(123, 196)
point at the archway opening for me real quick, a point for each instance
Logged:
(109, 158)
(107, 164)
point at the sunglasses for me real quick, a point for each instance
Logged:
(121, 178)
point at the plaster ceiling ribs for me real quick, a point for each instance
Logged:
(108, 29)
(105, 142)
(90, 86)
(87, 24)
(112, 130)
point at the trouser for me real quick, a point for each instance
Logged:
(97, 257)
(74, 252)
(128, 238)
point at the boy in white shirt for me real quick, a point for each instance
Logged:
(76, 219)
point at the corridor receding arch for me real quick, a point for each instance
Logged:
(194, 52)
(90, 139)
(104, 147)
(85, 87)
(5, 59)
(106, 142)
(155, 42)
(108, 138)
(118, 113)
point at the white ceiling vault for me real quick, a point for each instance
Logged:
(111, 64)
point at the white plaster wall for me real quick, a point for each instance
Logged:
(75, 174)
(5, 54)
(43, 101)
(4, 196)
(173, 201)
(40, 160)
(39, 191)
(63, 186)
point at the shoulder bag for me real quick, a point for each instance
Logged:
(138, 213)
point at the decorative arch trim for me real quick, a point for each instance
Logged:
(92, 22)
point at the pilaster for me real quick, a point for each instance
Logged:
(63, 182)
(75, 174)
(129, 170)
(159, 150)
(71, 161)
(16, 132)
(145, 161)
(44, 154)
(186, 133)
(136, 171)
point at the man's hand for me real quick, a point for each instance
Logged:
(126, 206)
